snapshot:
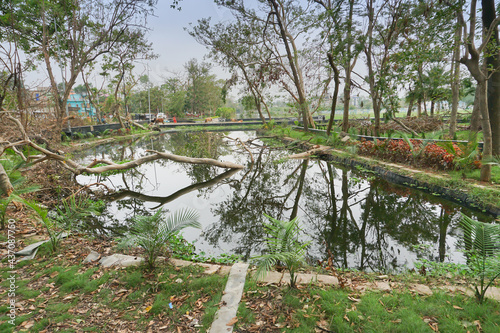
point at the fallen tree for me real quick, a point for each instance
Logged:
(94, 167)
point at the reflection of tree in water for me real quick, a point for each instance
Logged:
(200, 145)
(364, 222)
(266, 187)
(368, 223)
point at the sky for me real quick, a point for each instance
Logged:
(172, 43)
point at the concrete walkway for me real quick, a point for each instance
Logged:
(225, 317)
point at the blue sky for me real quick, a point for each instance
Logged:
(171, 42)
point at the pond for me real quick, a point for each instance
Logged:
(357, 219)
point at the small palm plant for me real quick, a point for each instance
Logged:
(283, 247)
(153, 233)
(482, 241)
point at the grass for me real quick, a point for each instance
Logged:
(56, 294)
(340, 310)
(475, 174)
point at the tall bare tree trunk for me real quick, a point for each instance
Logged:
(487, 140)
(475, 119)
(493, 62)
(455, 82)
(336, 79)
(410, 107)
(298, 80)
(348, 69)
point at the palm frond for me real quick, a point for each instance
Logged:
(482, 237)
(154, 232)
(283, 246)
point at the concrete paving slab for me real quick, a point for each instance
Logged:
(271, 278)
(230, 300)
(224, 270)
(120, 260)
(93, 256)
(302, 278)
(28, 250)
(210, 269)
(421, 289)
(383, 286)
(180, 263)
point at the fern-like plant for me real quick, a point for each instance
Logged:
(18, 182)
(153, 233)
(482, 243)
(283, 248)
(51, 225)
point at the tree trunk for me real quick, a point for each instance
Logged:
(6, 187)
(455, 82)
(493, 62)
(475, 120)
(298, 80)
(376, 111)
(410, 107)
(348, 69)
(487, 140)
(336, 78)
(259, 110)
(432, 108)
(419, 107)
(347, 100)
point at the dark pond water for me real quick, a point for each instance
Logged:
(367, 223)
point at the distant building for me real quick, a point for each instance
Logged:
(40, 97)
(81, 104)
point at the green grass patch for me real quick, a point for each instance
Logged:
(337, 310)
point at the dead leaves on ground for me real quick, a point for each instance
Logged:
(90, 309)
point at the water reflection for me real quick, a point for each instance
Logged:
(363, 221)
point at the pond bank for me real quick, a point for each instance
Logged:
(465, 193)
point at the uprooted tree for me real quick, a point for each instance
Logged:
(95, 167)
(72, 33)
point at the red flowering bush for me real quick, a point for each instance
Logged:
(412, 151)
(435, 155)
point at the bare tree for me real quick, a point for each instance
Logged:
(75, 34)
(481, 73)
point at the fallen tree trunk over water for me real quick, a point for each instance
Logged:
(164, 200)
(307, 154)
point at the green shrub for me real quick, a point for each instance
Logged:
(283, 247)
(153, 233)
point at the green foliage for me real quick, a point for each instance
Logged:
(482, 243)
(270, 124)
(153, 233)
(466, 158)
(182, 249)
(51, 226)
(106, 132)
(442, 269)
(73, 211)
(226, 112)
(17, 181)
(283, 247)
(78, 136)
